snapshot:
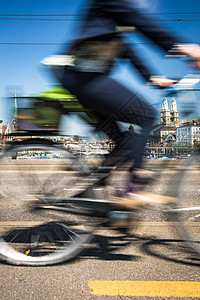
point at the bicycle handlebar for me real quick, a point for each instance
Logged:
(186, 83)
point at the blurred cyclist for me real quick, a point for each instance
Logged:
(94, 52)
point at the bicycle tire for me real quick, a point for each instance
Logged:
(187, 210)
(40, 237)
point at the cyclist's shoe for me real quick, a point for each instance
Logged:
(139, 199)
(135, 181)
(144, 178)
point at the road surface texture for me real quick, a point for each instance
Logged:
(151, 262)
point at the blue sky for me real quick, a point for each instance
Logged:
(20, 63)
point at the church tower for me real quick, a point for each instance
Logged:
(174, 116)
(14, 121)
(165, 113)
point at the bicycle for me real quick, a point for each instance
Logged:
(43, 179)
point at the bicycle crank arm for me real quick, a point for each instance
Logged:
(66, 209)
(79, 201)
(86, 206)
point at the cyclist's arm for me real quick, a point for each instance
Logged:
(144, 71)
(156, 80)
(126, 15)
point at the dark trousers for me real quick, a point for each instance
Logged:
(113, 102)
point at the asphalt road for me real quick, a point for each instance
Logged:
(152, 258)
(152, 253)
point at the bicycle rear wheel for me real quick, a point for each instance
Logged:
(41, 171)
(188, 203)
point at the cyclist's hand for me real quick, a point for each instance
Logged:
(162, 82)
(191, 50)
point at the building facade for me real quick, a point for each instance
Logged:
(188, 133)
(163, 132)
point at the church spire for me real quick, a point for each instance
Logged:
(173, 105)
(15, 111)
(165, 104)
(174, 115)
(14, 121)
(165, 113)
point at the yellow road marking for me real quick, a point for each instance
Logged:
(145, 288)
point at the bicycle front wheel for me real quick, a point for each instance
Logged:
(40, 171)
(188, 202)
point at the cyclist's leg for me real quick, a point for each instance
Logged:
(128, 151)
(114, 103)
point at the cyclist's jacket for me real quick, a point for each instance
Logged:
(98, 42)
